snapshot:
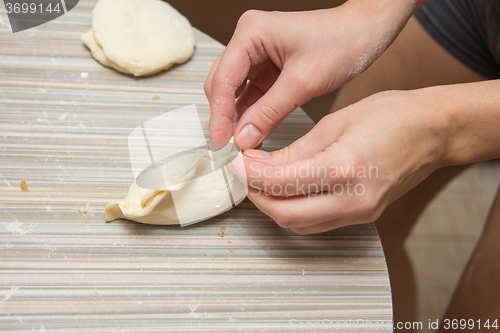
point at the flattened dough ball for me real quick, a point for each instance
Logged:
(139, 37)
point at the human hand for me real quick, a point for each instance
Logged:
(277, 61)
(351, 165)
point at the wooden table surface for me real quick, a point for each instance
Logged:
(64, 123)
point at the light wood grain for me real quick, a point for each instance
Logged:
(61, 270)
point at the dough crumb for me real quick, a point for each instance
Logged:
(221, 232)
(84, 75)
(83, 210)
(23, 186)
(156, 97)
(229, 250)
(229, 242)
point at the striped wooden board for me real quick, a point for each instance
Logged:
(64, 122)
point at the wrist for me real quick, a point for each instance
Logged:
(467, 117)
(436, 123)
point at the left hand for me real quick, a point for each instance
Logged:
(351, 165)
(277, 61)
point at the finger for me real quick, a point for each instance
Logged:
(284, 96)
(310, 210)
(231, 72)
(249, 96)
(319, 159)
(327, 226)
(260, 79)
(207, 87)
(313, 142)
(305, 169)
(322, 172)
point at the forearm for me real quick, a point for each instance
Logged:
(469, 118)
(380, 22)
(389, 10)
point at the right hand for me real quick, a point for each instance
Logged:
(353, 163)
(277, 61)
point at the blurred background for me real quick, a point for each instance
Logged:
(446, 232)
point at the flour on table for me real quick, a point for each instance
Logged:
(139, 37)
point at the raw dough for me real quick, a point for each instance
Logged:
(23, 186)
(139, 37)
(198, 192)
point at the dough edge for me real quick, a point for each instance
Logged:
(97, 52)
(158, 207)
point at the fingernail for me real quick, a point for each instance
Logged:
(249, 136)
(258, 154)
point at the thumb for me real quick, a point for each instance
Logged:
(259, 120)
(319, 138)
